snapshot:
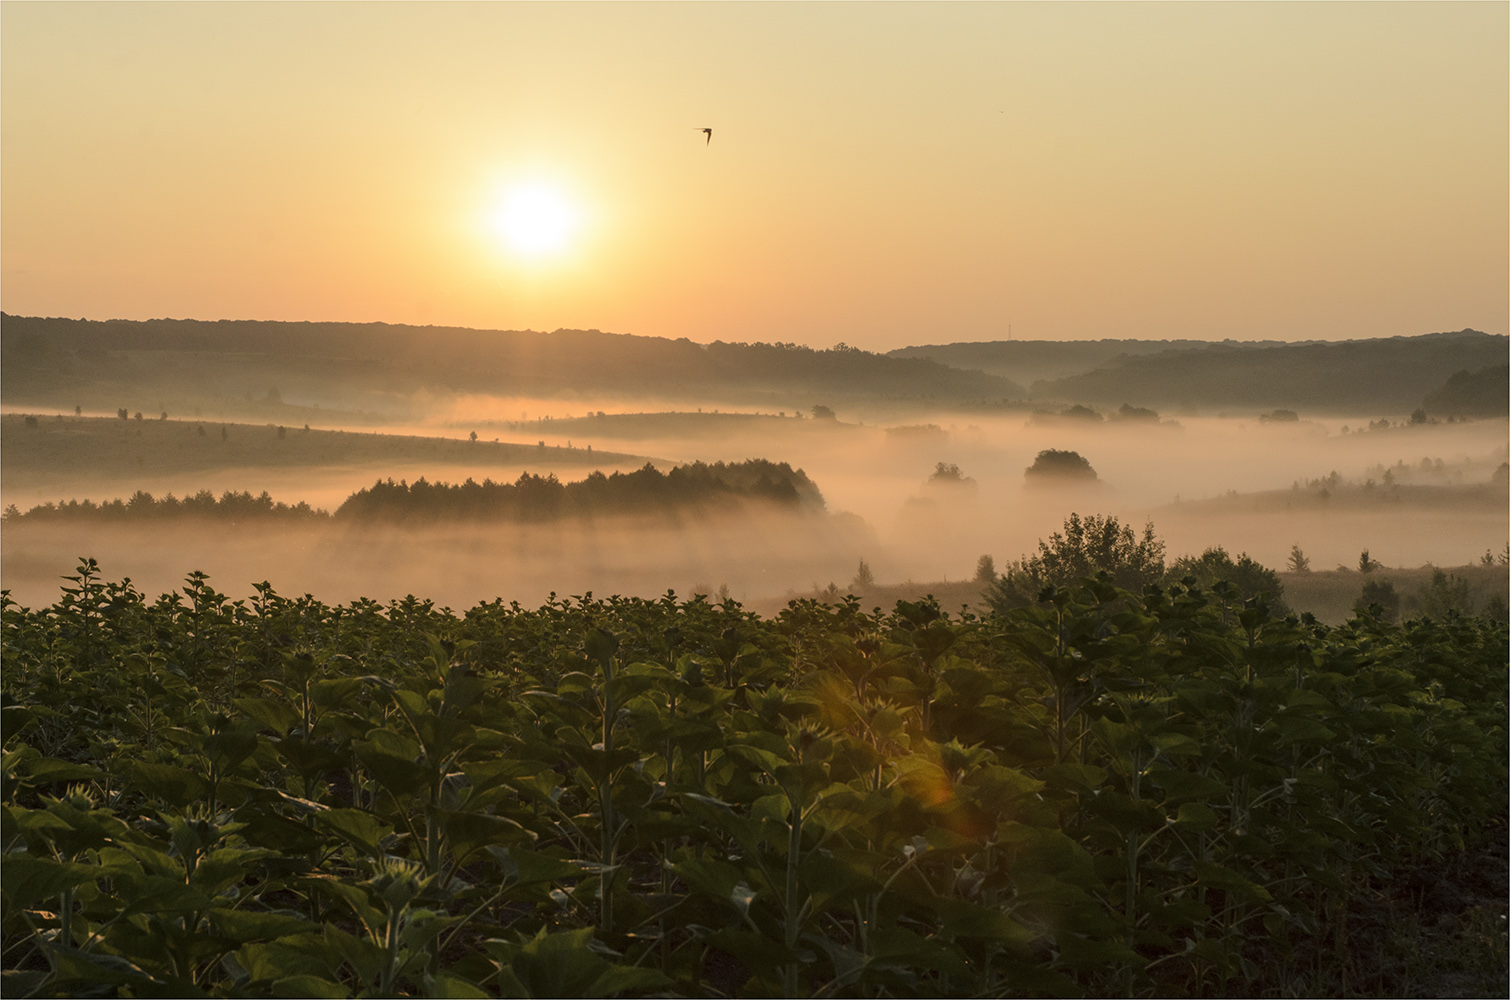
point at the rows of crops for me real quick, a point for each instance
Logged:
(1104, 794)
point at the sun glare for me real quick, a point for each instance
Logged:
(536, 221)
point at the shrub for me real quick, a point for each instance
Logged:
(1053, 464)
(1251, 578)
(1087, 546)
(1381, 594)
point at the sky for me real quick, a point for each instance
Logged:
(878, 174)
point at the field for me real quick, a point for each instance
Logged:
(804, 778)
(60, 457)
(1170, 796)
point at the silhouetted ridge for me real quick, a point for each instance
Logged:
(492, 360)
(1393, 373)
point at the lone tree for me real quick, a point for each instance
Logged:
(1365, 563)
(985, 570)
(1053, 465)
(1086, 547)
(1298, 563)
(949, 474)
(821, 412)
(864, 578)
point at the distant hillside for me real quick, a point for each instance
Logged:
(349, 364)
(1484, 393)
(1029, 361)
(53, 452)
(1388, 375)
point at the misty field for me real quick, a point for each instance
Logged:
(797, 684)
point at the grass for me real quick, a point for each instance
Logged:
(1331, 594)
(110, 447)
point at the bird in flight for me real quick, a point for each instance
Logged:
(707, 132)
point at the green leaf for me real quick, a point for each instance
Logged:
(567, 964)
(361, 828)
(449, 987)
(173, 785)
(49, 769)
(160, 894)
(365, 956)
(1187, 784)
(1302, 729)
(601, 646)
(391, 760)
(1076, 777)
(467, 832)
(755, 950)
(623, 978)
(1216, 877)
(294, 955)
(306, 985)
(269, 713)
(251, 925)
(334, 692)
(1196, 816)
(30, 880)
(971, 920)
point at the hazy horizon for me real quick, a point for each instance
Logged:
(881, 175)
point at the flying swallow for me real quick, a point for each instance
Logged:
(708, 132)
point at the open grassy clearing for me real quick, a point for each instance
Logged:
(65, 453)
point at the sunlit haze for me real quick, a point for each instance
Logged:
(880, 174)
(535, 221)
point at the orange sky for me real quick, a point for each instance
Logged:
(879, 174)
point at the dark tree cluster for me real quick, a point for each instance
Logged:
(143, 506)
(695, 487)
(1088, 545)
(1481, 393)
(1053, 465)
(1097, 544)
(533, 497)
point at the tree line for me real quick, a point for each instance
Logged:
(143, 506)
(697, 487)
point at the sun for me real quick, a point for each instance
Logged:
(536, 221)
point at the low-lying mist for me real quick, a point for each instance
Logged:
(745, 556)
(1243, 483)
